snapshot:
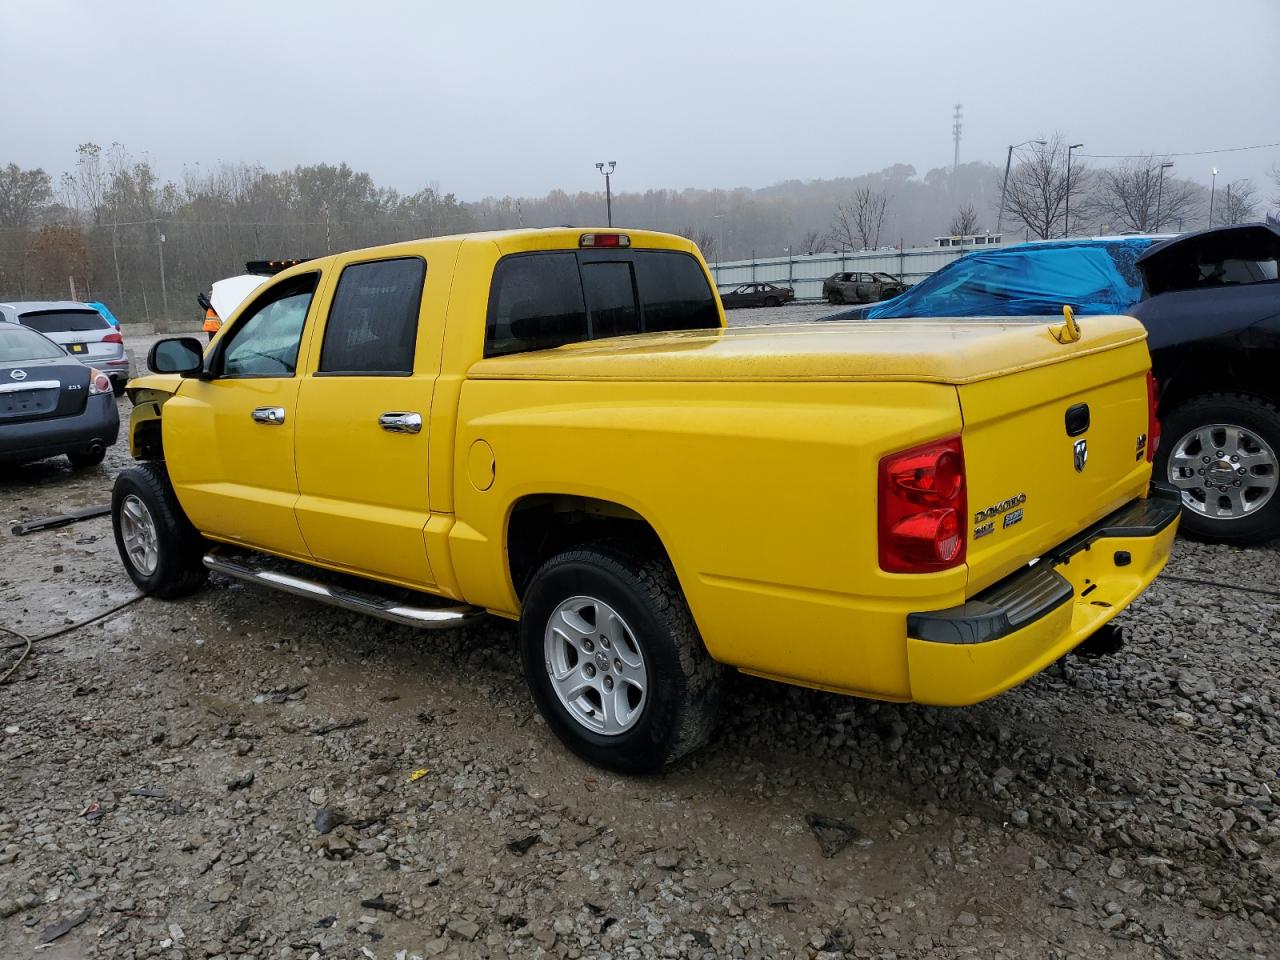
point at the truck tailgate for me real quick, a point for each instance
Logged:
(1049, 450)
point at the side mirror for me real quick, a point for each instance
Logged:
(184, 355)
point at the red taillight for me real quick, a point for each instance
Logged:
(99, 382)
(114, 337)
(923, 508)
(604, 240)
(1153, 424)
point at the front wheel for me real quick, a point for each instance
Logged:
(772, 302)
(835, 298)
(614, 661)
(1223, 452)
(162, 552)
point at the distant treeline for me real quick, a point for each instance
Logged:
(113, 229)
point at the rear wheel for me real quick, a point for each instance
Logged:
(614, 660)
(835, 298)
(117, 387)
(88, 458)
(162, 552)
(1223, 452)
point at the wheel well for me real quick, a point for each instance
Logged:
(148, 441)
(1219, 373)
(545, 524)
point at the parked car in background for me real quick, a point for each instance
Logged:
(50, 404)
(861, 287)
(80, 329)
(1210, 302)
(757, 295)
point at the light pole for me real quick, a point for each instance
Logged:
(1160, 193)
(1212, 190)
(1066, 230)
(608, 197)
(164, 293)
(720, 245)
(1008, 160)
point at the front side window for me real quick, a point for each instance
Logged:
(373, 323)
(265, 343)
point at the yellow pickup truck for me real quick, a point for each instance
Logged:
(556, 427)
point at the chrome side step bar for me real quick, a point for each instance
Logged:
(424, 618)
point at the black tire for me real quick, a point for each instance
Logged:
(772, 302)
(117, 387)
(835, 298)
(180, 549)
(685, 686)
(1255, 414)
(87, 459)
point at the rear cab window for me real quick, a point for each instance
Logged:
(64, 321)
(543, 300)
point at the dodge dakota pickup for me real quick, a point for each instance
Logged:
(556, 427)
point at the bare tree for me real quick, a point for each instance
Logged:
(23, 193)
(1037, 194)
(704, 239)
(859, 220)
(965, 222)
(86, 186)
(1133, 196)
(810, 241)
(1239, 203)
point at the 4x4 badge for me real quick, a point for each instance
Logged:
(1081, 450)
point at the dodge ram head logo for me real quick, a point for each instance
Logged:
(19, 374)
(1081, 450)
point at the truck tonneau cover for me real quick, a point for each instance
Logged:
(954, 351)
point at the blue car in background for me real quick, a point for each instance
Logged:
(1210, 301)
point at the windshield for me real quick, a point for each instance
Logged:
(64, 321)
(18, 345)
(1093, 278)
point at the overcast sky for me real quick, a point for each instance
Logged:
(523, 97)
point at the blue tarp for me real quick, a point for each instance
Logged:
(106, 314)
(1093, 276)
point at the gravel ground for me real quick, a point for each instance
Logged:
(243, 774)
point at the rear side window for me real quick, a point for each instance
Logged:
(545, 300)
(674, 292)
(611, 298)
(64, 321)
(373, 323)
(18, 345)
(535, 303)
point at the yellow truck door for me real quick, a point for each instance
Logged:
(228, 439)
(363, 417)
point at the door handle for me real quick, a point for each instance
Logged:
(401, 422)
(272, 416)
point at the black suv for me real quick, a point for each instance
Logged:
(1210, 301)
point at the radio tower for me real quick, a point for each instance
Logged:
(955, 135)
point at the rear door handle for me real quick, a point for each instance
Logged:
(401, 422)
(272, 416)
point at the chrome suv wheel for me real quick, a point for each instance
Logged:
(1222, 450)
(1223, 470)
